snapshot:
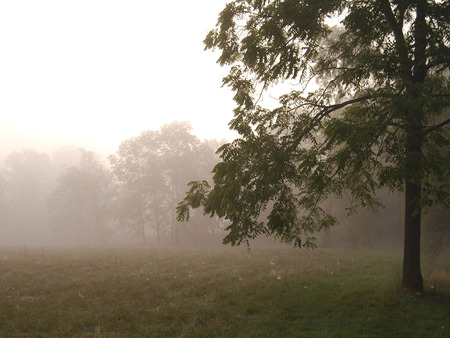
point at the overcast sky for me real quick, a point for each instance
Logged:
(93, 73)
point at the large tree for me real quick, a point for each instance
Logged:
(367, 109)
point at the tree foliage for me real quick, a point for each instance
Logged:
(369, 109)
(78, 206)
(24, 188)
(152, 170)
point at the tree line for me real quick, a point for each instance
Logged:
(71, 196)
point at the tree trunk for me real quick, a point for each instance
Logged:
(142, 233)
(412, 276)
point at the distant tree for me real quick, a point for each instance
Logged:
(142, 199)
(152, 170)
(436, 234)
(184, 158)
(376, 118)
(366, 229)
(5, 199)
(79, 204)
(26, 184)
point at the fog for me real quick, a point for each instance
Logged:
(76, 197)
(91, 74)
(73, 196)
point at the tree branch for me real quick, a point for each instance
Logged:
(440, 125)
(397, 27)
(325, 111)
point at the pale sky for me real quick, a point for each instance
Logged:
(93, 73)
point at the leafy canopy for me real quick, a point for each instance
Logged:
(379, 70)
(152, 170)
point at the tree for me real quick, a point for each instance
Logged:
(5, 199)
(27, 183)
(184, 157)
(152, 170)
(376, 117)
(79, 204)
(142, 195)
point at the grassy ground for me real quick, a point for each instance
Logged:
(208, 293)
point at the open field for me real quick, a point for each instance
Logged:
(211, 292)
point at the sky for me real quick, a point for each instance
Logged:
(92, 73)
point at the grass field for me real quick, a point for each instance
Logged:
(215, 292)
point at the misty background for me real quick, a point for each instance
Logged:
(94, 73)
(73, 196)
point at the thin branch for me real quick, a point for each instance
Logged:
(333, 107)
(325, 111)
(438, 126)
(440, 95)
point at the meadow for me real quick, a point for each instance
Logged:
(229, 292)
